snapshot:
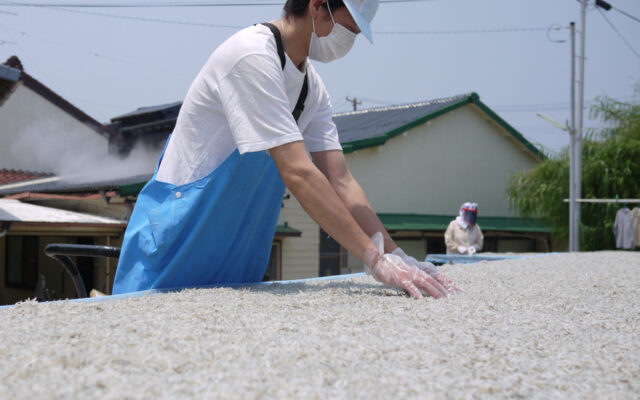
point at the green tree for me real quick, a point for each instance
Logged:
(610, 168)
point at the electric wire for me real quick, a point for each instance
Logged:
(619, 34)
(96, 54)
(144, 19)
(169, 4)
(31, 59)
(468, 31)
(176, 22)
(625, 13)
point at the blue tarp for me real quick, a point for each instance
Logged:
(439, 259)
(152, 292)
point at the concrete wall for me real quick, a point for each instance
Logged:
(435, 167)
(35, 134)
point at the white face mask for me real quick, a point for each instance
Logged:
(333, 46)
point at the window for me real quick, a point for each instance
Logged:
(333, 257)
(22, 262)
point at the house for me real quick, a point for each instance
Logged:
(25, 229)
(34, 120)
(146, 126)
(453, 150)
(43, 138)
(416, 162)
(112, 199)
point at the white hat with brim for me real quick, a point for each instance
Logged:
(363, 12)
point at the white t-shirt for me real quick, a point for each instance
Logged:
(242, 99)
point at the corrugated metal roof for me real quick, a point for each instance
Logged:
(373, 127)
(373, 122)
(170, 107)
(16, 211)
(71, 185)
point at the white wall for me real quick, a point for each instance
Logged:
(37, 135)
(300, 255)
(461, 156)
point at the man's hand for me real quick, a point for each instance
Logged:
(429, 268)
(393, 271)
(462, 249)
(472, 250)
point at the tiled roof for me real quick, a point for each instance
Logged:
(12, 175)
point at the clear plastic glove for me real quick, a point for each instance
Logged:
(472, 250)
(429, 268)
(462, 249)
(391, 270)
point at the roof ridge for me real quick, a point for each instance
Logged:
(442, 100)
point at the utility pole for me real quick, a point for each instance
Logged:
(355, 102)
(572, 142)
(579, 121)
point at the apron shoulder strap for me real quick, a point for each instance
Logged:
(305, 86)
(276, 34)
(303, 96)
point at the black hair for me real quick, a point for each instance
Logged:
(298, 8)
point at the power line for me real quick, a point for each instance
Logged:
(625, 13)
(143, 19)
(468, 31)
(619, 34)
(170, 4)
(547, 106)
(94, 53)
(176, 22)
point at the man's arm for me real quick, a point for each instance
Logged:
(334, 167)
(318, 197)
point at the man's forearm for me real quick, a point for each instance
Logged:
(358, 205)
(318, 198)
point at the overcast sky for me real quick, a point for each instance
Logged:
(125, 58)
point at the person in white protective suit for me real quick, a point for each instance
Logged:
(463, 235)
(257, 119)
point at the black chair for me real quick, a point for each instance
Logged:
(62, 251)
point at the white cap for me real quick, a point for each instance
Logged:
(363, 12)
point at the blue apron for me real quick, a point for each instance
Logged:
(217, 229)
